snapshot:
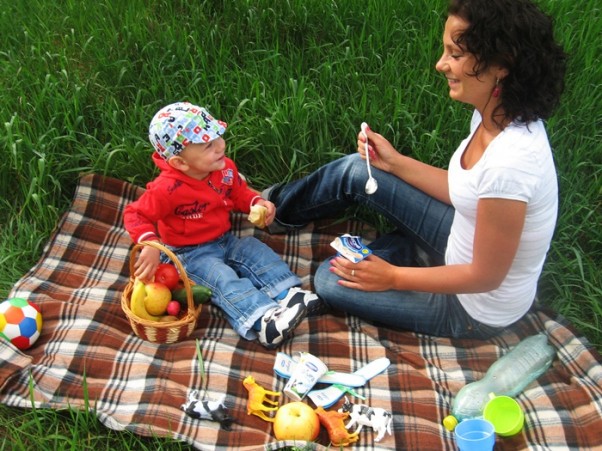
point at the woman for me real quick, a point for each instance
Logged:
(490, 217)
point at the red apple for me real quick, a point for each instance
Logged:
(168, 275)
(296, 421)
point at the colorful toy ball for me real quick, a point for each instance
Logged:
(20, 322)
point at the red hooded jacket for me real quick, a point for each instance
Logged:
(183, 211)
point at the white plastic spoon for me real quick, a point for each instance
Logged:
(371, 184)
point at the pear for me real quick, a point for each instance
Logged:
(168, 319)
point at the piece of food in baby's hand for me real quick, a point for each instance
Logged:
(257, 215)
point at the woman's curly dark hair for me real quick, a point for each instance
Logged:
(518, 36)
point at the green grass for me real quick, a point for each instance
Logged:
(79, 82)
(70, 429)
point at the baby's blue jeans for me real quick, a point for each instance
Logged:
(244, 274)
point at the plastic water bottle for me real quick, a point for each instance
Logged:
(508, 376)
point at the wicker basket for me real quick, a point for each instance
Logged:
(155, 331)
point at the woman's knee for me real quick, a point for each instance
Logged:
(334, 295)
(352, 166)
(325, 282)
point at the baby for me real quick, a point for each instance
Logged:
(188, 206)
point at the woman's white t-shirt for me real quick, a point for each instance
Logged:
(518, 165)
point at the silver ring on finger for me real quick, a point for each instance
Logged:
(353, 273)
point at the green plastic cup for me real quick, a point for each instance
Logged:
(505, 414)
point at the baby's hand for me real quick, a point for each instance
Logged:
(262, 213)
(147, 263)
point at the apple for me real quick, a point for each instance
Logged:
(296, 421)
(157, 298)
(168, 275)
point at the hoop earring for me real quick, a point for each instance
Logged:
(497, 89)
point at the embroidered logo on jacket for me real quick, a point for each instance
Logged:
(227, 177)
(194, 210)
(176, 184)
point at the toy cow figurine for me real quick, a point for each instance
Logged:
(362, 415)
(208, 410)
(258, 398)
(333, 422)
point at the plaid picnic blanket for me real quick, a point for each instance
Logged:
(87, 355)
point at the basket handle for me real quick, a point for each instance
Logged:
(187, 285)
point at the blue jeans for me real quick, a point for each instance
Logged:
(244, 275)
(420, 220)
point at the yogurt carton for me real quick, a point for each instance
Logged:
(306, 373)
(351, 247)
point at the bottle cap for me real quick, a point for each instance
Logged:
(450, 422)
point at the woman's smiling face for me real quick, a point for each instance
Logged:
(457, 64)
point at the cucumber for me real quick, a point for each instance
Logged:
(200, 295)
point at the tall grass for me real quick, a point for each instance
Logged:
(80, 80)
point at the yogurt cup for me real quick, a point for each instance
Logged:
(304, 376)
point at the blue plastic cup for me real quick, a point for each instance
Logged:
(475, 434)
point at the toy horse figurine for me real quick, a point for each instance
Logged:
(333, 422)
(208, 410)
(377, 418)
(257, 397)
